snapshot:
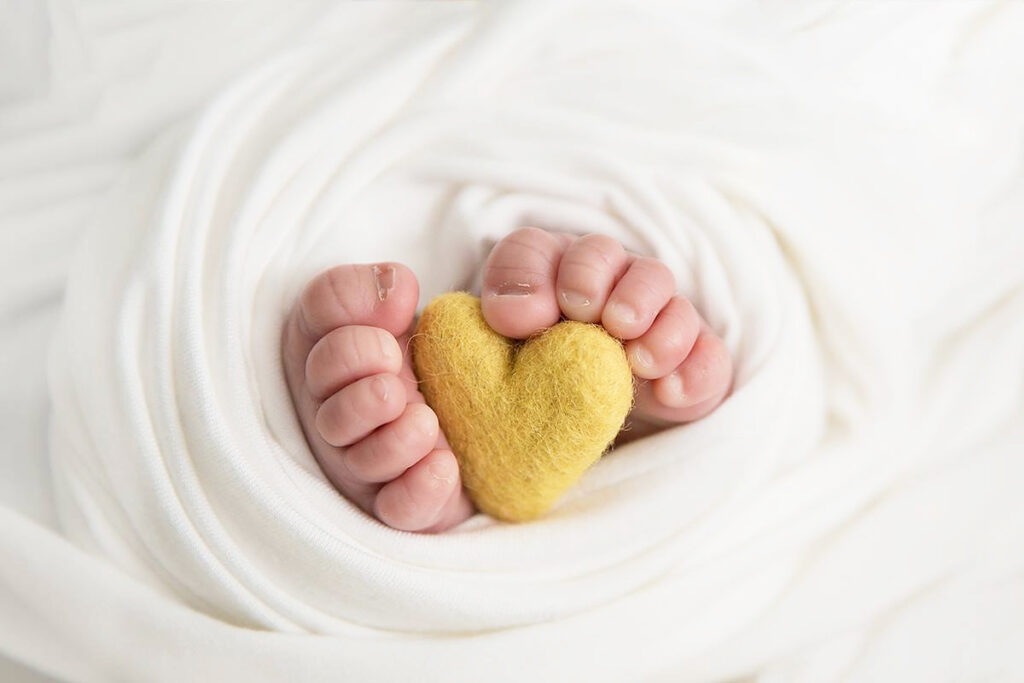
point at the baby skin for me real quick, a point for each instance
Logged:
(346, 361)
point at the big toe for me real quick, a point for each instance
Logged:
(518, 297)
(380, 295)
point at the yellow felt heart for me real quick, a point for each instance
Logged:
(524, 419)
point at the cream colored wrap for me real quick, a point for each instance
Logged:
(836, 186)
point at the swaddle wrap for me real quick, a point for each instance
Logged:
(779, 523)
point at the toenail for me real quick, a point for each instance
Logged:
(623, 313)
(574, 299)
(513, 289)
(386, 349)
(380, 388)
(424, 421)
(441, 471)
(642, 356)
(385, 277)
(675, 390)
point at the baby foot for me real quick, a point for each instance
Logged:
(357, 399)
(533, 278)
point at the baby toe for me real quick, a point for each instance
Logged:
(395, 447)
(380, 295)
(700, 382)
(347, 354)
(587, 272)
(637, 298)
(416, 500)
(456, 510)
(660, 349)
(518, 296)
(356, 410)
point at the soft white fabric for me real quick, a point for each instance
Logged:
(839, 189)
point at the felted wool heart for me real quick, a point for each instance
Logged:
(525, 419)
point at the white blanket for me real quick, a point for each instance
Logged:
(838, 189)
